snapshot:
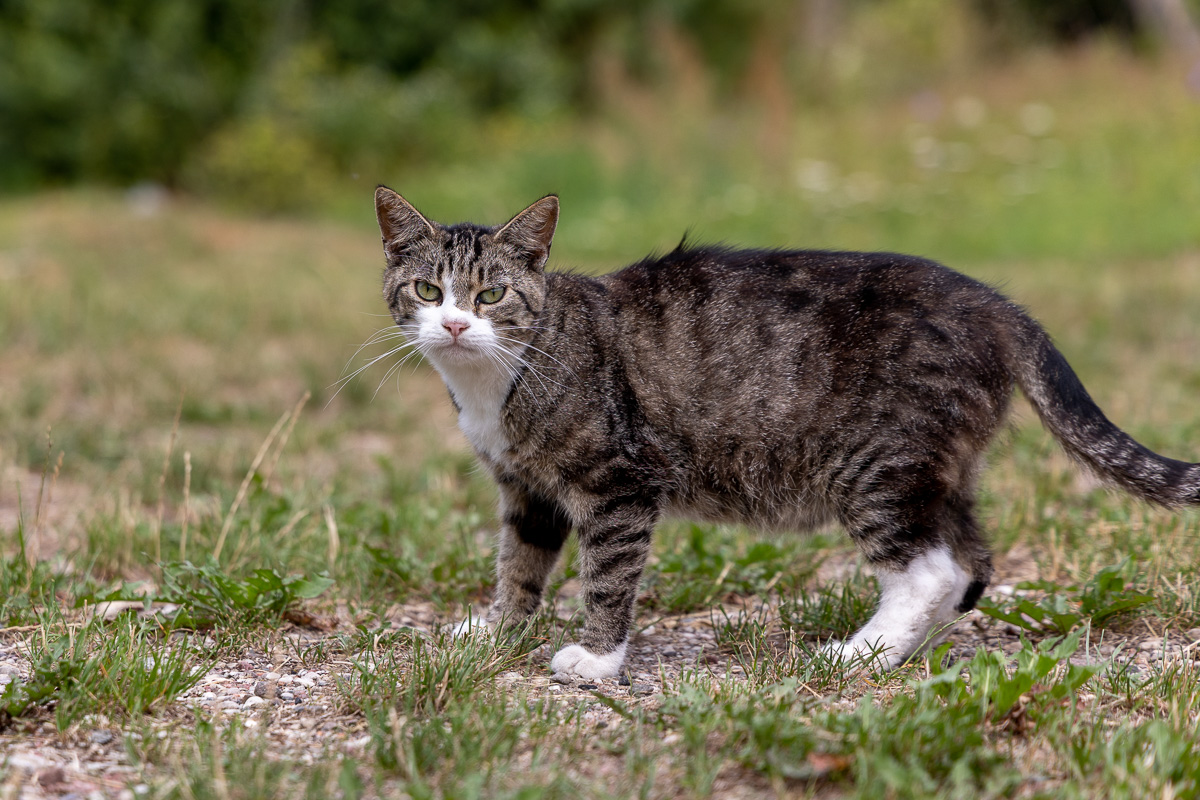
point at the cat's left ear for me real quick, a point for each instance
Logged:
(532, 230)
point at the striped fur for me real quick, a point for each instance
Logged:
(780, 389)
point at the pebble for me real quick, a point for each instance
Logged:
(7, 669)
(101, 737)
(272, 676)
(5, 679)
(587, 686)
(252, 701)
(262, 689)
(1193, 635)
(641, 689)
(562, 677)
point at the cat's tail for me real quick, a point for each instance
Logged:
(1088, 436)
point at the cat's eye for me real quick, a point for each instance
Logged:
(492, 295)
(427, 291)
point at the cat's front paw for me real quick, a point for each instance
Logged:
(576, 659)
(470, 626)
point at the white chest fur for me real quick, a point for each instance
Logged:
(480, 391)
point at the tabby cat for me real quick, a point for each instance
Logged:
(779, 389)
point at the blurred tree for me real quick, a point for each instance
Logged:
(128, 90)
(118, 90)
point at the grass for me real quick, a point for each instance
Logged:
(165, 359)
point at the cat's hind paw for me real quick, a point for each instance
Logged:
(576, 659)
(471, 626)
(859, 653)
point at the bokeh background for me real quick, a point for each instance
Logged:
(186, 227)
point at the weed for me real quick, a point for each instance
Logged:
(1061, 609)
(701, 569)
(834, 611)
(124, 669)
(207, 596)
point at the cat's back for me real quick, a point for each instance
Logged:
(788, 282)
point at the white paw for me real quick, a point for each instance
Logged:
(862, 653)
(471, 625)
(578, 660)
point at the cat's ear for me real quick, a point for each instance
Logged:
(532, 230)
(399, 223)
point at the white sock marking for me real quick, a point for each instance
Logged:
(912, 605)
(578, 660)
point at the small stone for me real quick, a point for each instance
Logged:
(243, 664)
(1149, 645)
(50, 776)
(624, 680)
(286, 679)
(262, 689)
(5, 680)
(287, 696)
(587, 686)
(253, 701)
(1193, 635)
(102, 737)
(562, 677)
(641, 689)
(8, 669)
(272, 676)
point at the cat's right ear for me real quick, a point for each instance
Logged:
(399, 223)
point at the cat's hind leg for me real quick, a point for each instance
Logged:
(930, 560)
(916, 604)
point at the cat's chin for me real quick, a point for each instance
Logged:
(458, 355)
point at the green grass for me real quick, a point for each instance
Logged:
(168, 357)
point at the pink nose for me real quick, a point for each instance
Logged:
(455, 326)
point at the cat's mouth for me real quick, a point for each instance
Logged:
(458, 350)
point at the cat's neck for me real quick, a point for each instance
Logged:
(480, 390)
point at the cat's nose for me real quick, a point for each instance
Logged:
(455, 326)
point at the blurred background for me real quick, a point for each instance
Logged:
(187, 239)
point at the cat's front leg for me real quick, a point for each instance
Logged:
(612, 554)
(531, 537)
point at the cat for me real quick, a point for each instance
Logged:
(773, 388)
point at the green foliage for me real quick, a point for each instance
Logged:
(226, 96)
(26, 589)
(122, 90)
(702, 569)
(124, 669)
(835, 611)
(208, 596)
(1060, 609)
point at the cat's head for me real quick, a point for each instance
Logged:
(465, 293)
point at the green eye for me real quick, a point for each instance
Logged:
(427, 291)
(491, 295)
